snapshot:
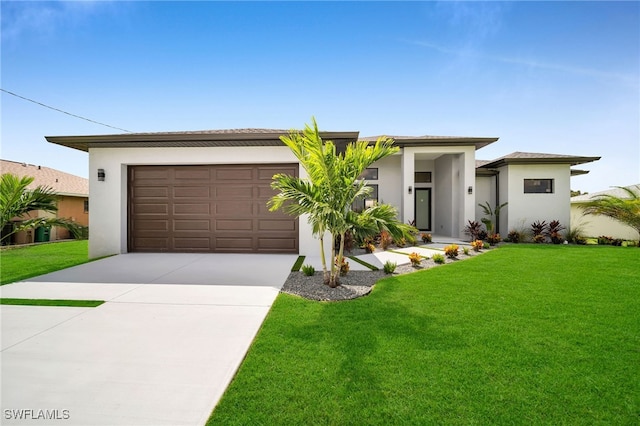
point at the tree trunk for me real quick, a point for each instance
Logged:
(333, 277)
(325, 274)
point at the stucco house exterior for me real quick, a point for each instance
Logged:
(596, 226)
(73, 198)
(206, 191)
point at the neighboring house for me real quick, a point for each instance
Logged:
(596, 226)
(207, 191)
(73, 201)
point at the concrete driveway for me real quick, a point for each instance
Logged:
(161, 351)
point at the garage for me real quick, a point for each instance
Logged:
(207, 208)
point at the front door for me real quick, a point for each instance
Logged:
(423, 209)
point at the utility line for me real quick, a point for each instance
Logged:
(64, 112)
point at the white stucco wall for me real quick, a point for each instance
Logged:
(485, 191)
(595, 226)
(108, 210)
(523, 209)
(389, 181)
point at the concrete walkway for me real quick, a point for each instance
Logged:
(161, 351)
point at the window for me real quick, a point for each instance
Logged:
(370, 174)
(361, 204)
(538, 186)
(422, 177)
(86, 206)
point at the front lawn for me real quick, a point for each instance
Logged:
(524, 334)
(20, 263)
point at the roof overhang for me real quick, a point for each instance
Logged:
(571, 160)
(187, 139)
(413, 141)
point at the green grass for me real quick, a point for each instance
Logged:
(52, 302)
(298, 264)
(25, 262)
(523, 334)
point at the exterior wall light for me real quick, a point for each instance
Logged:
(101, 175)
(410, 189)
(470, 190)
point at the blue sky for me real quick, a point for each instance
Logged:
(553, 77)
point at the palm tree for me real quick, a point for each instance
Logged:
(16, 201)
(332, 186)
(624, 209)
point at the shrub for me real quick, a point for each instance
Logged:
(385, 240)
(473, 229)
(369, 247)
(400, 242)
(604, 240)
(438, 258)
(575, 234)
(515, 236)
(344, 267)
(426, 238)
(477, 245)
(539, 238)
(538, 229)
(493, 239)
(451, 251)
(308, 270)
(486, 245)
(465, 250)
(389, 267)
(617, 242)
(415, 259)
(553, 231)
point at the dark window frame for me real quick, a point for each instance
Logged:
(370, 170)
(360, 204)
(417, 177)
(86, 206)
(539, 186)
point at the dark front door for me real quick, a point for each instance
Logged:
(423, 209)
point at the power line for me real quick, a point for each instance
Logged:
(64, 112)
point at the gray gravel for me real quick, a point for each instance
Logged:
(355, 284)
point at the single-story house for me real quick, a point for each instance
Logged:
(206, 191)
(73, 199)
(596, 226)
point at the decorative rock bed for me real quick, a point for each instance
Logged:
(353, 285)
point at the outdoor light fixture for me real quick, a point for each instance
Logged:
(470, 190)
(410, 189)
(101, 175)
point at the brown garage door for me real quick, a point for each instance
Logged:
(213, 208)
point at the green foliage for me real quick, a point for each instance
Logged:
(308, 270)
(625, 209)
(17, 200)
(332, 186)
(389, 267)
(465, 250)
(438, 258)
(490, 214)
(298, 263)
